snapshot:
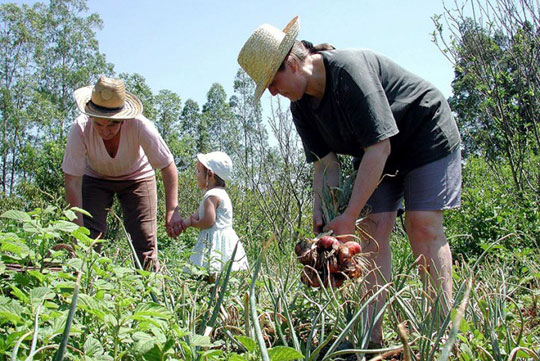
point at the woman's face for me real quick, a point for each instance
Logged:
(288, 82)
(106, 128)
(201, 175)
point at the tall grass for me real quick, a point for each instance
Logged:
(265, 314)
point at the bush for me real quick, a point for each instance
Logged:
(490, 213)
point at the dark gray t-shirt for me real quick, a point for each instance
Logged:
(369, 98)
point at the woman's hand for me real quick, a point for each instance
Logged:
(318, 222)
(326, 173)
(342, 225)
(73, 186)
(173, 220)
(174, 223)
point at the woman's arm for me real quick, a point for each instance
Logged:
(73, 185)
(173, 220)
(210, 205)
(325, 172)
(367, 178)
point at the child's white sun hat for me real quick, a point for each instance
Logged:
(218, 162)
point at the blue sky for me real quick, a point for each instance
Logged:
(187, 45)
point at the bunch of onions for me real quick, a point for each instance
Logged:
(328, 261)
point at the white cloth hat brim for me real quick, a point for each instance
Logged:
(218, 162)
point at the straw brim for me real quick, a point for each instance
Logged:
(291, 33)
(132, 105)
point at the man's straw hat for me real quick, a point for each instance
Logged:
(108, 99)
(264, 52)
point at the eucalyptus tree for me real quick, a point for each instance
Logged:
(219, 120)
(68, 58)
(248, 115)
(136, 84)
(47, 50)
(190, 118)
(18, 42)
(168, 108)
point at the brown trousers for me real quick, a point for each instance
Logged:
(139, 207)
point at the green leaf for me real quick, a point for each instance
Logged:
(144, 342)
(110, 320)
(38, 275)
(284, 353)
(247, 342)
(464, 326)
(37, 295)
(201, 341)
(150, 310)
(236, 357)
(80, 210)
(15, 248)
(65, 226)
(209, 354)
(154, 354)
(16, 215)
(18, 293)
(11, 312)
(75, 263)
(32, 227)
(92, 347)
(70, 215)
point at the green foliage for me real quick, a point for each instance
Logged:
(495, 57)
(115, 317)
(47, 51)
(115, 312)
(489, 213)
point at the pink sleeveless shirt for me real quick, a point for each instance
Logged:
(141, 150)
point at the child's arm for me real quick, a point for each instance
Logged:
(210, 204)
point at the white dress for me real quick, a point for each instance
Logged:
(216, 244)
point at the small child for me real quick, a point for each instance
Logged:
(214, 217)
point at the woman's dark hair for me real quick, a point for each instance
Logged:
(302, 48)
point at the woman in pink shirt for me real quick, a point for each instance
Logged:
(113, 149)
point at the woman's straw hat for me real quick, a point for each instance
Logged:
(108, 99)
(264, 52)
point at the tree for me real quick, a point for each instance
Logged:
(47, 51)
(168, 111)
(136, 84)
(192, 131)
(249, 118)
(190, 118)
(18, 45)
(218, 119)
(68, 58)
(496, 87)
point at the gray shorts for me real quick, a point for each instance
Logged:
(434, 186)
